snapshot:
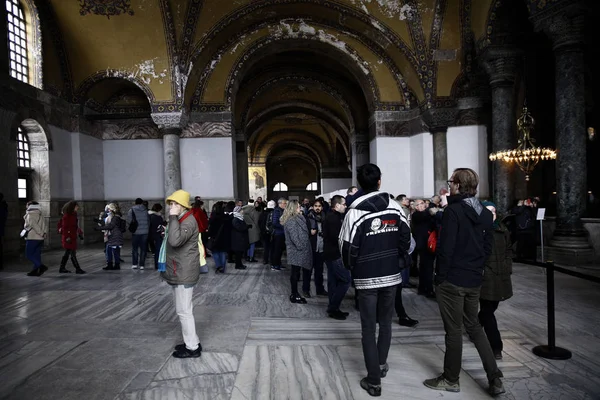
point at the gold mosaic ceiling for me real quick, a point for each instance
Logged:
(196, 53)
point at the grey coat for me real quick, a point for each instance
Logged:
(297, 242)
(143, 219)
(183, 254)
(115, 238)
(251, 216)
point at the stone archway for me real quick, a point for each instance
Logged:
(34, 127)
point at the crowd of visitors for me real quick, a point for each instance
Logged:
(456, 247)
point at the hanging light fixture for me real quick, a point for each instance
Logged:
(526, 155)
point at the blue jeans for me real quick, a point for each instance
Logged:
(338, 282)
(220, 258)
(157, 245)
(33, 251)
(251, 250)
(113, 253)
(139, 243)
(405, 276)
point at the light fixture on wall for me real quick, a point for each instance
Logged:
(526, 155)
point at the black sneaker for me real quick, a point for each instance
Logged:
(337, 315)
(306, 294)
(496, 387)
(181, 347)
(323, 293)
(297, 299)
(408, 321)
(34, 272)
(373, 390)
(185, 353)
(42, 269)
(344, 313)
(497, 354)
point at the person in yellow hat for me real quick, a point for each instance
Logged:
(179, 265)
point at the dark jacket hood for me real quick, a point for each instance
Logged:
(471, 206)
(372, 202)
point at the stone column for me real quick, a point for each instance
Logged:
(565, 27)
(501, 65)
(171, 126)
(438, 120)
(360, 153)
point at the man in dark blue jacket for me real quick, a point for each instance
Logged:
(374, 243)
(465, 243)
(278, 235)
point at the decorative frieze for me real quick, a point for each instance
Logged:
(207, 129)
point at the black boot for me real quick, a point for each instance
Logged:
(78, 269)
(109, 266)
(63, 262)
(117, 266)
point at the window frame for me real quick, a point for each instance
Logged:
(24, 172)
(312, 184)
(276, 189)
(19, 63)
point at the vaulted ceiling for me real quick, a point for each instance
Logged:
(398, 53)
(309, 73)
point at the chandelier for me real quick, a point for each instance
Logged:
(526, 155)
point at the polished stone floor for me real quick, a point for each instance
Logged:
(109, 335)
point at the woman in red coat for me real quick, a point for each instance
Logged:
(69, 229)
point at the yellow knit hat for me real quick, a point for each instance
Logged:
(181, 197)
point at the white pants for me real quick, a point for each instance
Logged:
(185, 311)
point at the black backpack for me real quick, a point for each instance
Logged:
(133, 225)
(269, 224)
(121, 224)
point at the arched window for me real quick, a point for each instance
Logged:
(24, 164)
(17, 41)
(24, 42)
(280, 187)
(312, 186)
(23, 151)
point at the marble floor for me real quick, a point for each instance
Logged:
(109, 335)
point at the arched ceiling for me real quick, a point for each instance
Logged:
(400, 53)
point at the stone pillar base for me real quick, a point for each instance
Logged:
(564, 256)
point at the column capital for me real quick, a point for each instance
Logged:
(563, 25)
(501, 63)
(170, 121)
(439, 119)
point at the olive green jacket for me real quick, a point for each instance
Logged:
(183, 254)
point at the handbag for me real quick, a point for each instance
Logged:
(133, 225)
(24, 233)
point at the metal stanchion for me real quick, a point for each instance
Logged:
(551, 351)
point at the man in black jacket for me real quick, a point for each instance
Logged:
(466, 240)
(338, 277)
(374, 242)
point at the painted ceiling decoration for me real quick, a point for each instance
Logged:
(106, 8)
(305, 72)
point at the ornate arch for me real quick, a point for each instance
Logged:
(90, 81)
(296, 144)
(307, 135)
(333, 92)
(261, 119)
(405, 91)
(266, 46)
(345, 10)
